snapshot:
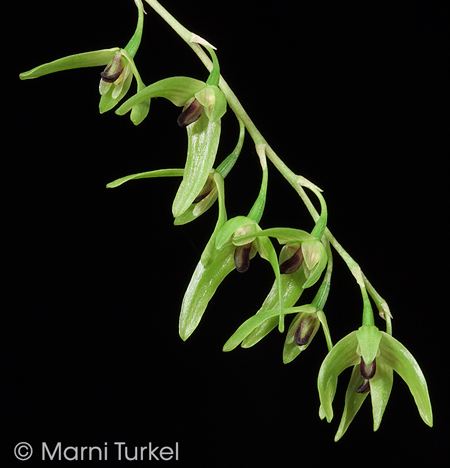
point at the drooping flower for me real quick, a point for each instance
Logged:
(115, 79)
(374, 355)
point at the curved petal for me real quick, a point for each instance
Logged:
(291, 287)
(395, 355)
(341, 356)
(177, 89)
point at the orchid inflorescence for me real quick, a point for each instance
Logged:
(305, 259)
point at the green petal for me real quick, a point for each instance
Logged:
(203, 142)
(147, 175)
(341, 356)
(140, 111)
(316, 259)
(214, 101)
(380, 390)
(256, 320)
(177, 89)
(209, 249)
(230, 227)
(395, 355)
(108, 101)
(203, 285)
(284, 235)
(86, 59)
(197, 209)
(291, 287)
(353, 402)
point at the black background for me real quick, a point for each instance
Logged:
(351, 95)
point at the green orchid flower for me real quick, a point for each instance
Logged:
(203, 136)
(222, 255)
(225, 252)
(210, 191)
(115, 79)
(374, 355)
(203, 128)
(296, 274)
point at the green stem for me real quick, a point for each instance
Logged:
(296, 181)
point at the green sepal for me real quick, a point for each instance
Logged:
(140, 111)
(203, 142)
(267, 251)
(135, 41)
(227, 231)
(353, 401)
(257, 209)
(94, 58)
(177, 89)
(228, 163)
(291, 287)
(114, 94)
(380, 391)
(201, 288)
(395, 355)
(283, 235)
(214, 76)
(341, 356)
(256, 320)
(369, 338)
(221, 220)
(316, 258)
(197, 209)
(147, 175)
(321, 223)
